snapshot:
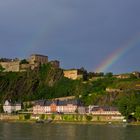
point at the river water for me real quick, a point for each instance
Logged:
(27, 131)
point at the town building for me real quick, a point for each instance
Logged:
(58, 106)
(105, 111)
(106, 114)
(73, 74)
(10, 107)
(122, 76)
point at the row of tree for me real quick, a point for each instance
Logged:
(129, 105)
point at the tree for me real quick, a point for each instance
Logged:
(42, 117)
(132, 76)
(109, 74)
(1, 109)
(100, 74)
(1, 68)
(24, 61)
(27, 116)
(124, 107)
(127, 104)
(85, 74)
(137, 113)
(91, 75)
(88, 117)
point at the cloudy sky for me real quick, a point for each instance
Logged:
(76, 32)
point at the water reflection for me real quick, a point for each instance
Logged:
(21, 131)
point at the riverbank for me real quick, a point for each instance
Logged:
(63, 122)
(63, 118)
(75, 122)
(69, 122)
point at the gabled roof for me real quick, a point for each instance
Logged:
(49, 102)
(40, 102)
(58, 102)
(12, 103)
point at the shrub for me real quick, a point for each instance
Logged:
(42, 117)
(53, 116)
(24, 61)
(27, 116)
(88, 117)
(21, 117)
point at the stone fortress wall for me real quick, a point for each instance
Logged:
(10, 66)
(34, 61)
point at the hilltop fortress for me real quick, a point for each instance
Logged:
(34, 61)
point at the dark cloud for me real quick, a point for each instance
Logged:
(78, 32)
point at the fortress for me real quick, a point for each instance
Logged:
(34, 61)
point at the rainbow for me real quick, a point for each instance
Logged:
(117, 54)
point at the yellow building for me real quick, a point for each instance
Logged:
(73, 74)
(122, 76)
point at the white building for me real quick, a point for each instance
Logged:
(10, 107)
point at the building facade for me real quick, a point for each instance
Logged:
(38, 59)
(122, 76)
(105, 111)
(57, 106)
(73, 74)
(106, 114)
(10, 107)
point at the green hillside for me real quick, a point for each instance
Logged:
(28, 85)
(45, 82)
(49, 82)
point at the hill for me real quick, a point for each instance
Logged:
(49, 82)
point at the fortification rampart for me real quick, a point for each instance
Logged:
(13, 66)
(33, 62)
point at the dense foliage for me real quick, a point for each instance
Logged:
(24, 61)
(49, 82)
(129, 105)
(28, 85)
